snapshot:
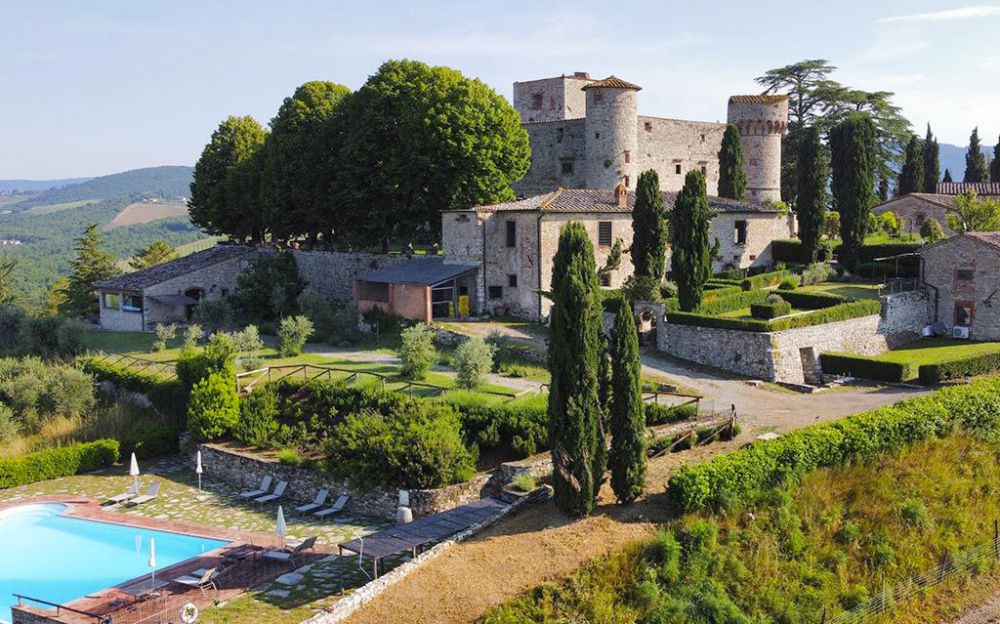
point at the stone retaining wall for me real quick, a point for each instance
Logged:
(332, 273)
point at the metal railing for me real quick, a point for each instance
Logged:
(21, 599)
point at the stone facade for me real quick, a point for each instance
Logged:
(963, 276)
(915, 208)
(332, 273)
(762, 120)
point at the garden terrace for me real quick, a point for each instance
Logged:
(930, 360)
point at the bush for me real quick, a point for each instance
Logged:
(194, 365)
(163, 333)
(816, 273)
(417, 446)
(520, 425)
(215, 315)
(930, 231)
(213, 408)
(248, 345)
(763, 280)
(789, 283)
(69, 338)
(788, 250)
(473, 359)
(746, 473)
(663, 414)
(813, 301)
(169, 397)
(192, 336)
(58, 462)
(258, 423)
(148, 440)
(523, 482)
(417, 352)
(38, 392)
(886, 270)
(293, 333)
(383, 323)
(865, 367)
(931, 374)
(770, 310)
(735, 301)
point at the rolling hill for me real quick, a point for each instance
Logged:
(167, 182)
(37, 186)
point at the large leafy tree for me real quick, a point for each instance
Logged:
(911, 177)
(732, 177)
(421, 139)
(975, 160)
(932, 162)
(649, 230)
(91, 264)
(691, 260)
(575, 431)
(627, 459)
(852, 158)
(236, 140)
(995, 163)
(972, 214)
(157, 253)
(811, 204)
(301, 150)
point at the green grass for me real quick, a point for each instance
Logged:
(882, 239)
(934, 350)
(138, 344)
(851, 291)
(744, 313)
(50, 208)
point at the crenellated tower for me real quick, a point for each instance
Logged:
(611, 133)
(762, 120)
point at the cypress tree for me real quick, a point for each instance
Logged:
(932, 162)
(575, 433)
(995, 163)
(92, 264)
(811, 192)
(691, 261)
(975, 160)
(911, 177)
(628, 420)
(732, 177)
(649, 229)
(883, 189)
(853, 161)
(947, 176)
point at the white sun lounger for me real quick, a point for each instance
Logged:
(151, 493)
(316, 504)
(265, 485)
(275, 495)
(132, 492)
(335, 508)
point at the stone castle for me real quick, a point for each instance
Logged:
(588, 134)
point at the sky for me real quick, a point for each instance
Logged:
(97, 87)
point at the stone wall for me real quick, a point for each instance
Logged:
(551, 99)
(762, 229)
(945, 266)
(554, 143)
(744, 353)
(915, 208)
(611, 141)
(665, 144)
(30, 614)
(904, 315)
(332, 273)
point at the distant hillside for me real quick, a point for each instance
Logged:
(953, 158)
(36, 186)
(166, 182)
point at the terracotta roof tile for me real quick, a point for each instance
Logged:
(603, 200)
(757, 99)
(611, 82)
(957, 188)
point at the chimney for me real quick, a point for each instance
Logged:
(584, 75)
(621, 195)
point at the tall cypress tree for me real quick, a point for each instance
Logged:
(628, 419)
(911, 177)
(932, 162)
(732, 177)
(947, 176)
(91, 264)
(853, 161)
(575, 434)
(811, 192)
(975, 160)
(995, 163)
(649, 229)
(691, 261)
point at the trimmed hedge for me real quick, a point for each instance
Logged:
(720, 291)
(865, 367)
(57, 462)
(742, 475)
(735, 301)
(763, 280)
(931, 374)
(720, 282)
(170, 397)
(886, 269)
(812, 301)
(787, 250)
(768, 311)
(842, 312)
(718, 322)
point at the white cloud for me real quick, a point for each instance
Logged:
(951, 14)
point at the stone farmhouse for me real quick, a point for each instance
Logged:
(915, 208)
(962, 276)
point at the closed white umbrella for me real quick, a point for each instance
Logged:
(133, 471)
(152, 560)
(282, 529)
(197, 468)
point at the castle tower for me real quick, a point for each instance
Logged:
(612, 139)
(762, 120)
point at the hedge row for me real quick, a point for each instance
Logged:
(57, 462)
(812, 301)
(763, 280)
(740, 476)
(720, 291)
(768, 311)
(931, 374)
(720, 282)
(841, 312)
(663, 414)
(885, 269)
(718, 322)
(168, 396)
(735, 301)
(865, 367)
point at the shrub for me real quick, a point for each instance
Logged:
(192, 335)
(217, 356)
(473, 359)
(47, 336)
(417, 352)
(69, 338)
(57, 462)
(268, 290)
(10, 326)
(416, 446)
(813, 301)
(816, 273)
(789, 250)
(37, 392)
(930, 230)
(914, 514)
(293, 334)
(865, 367)
(841, 312)
(148, 440)
(248, 345)
(789, 283)
(717, 322)
(886, 269)
(523, 482)
(383, 323)
(520, 425)
(9, 427)
(163, 333)
(215, 315)
(931, 374)
(213, 408)
(292, 457)
(735, 301)
(169, 397)
(770, 310)
(763, 280)
(657, 414)
(258, 423)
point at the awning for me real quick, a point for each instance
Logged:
(424, 271)
(172, 300)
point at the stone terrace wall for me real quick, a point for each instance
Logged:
(860, 335)
(745, 353)
(332, 273)
(904, 315)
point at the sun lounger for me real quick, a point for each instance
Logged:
(316, 504)
(335, 508)
(265, 485)
(131, 493)
(201, 578)
(275, 495)
(294, 556)
(151, 493)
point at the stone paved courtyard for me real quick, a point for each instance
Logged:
(291, 598)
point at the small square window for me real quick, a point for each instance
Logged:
(512, 280)
(626, 181)
(559, 135)
(566, 167)
(605, 279)
(648, 126)
(536, 101)
(112, 301)
(495, 292)
(677, 168)
(511, 233)
(704, 170)
(965, 275)
(597, 135)
(605, 236)
(703, 138)
(740, 233)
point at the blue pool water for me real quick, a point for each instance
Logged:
(60, 558)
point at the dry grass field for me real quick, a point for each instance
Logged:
(50, 208)
(135, 214)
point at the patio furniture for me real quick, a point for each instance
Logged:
(144, 588)
(129, 494)
(278, 492)
(265, 485)
(337, 506)
(294, 556)
(316, 504)
(202, 578)
(151, 493)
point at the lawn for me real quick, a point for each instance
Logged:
(744, 313)
(934, 350)
(851, 291)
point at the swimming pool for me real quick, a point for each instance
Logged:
(57, 558)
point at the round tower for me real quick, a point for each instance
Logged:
(762, 120)
(612, 135)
